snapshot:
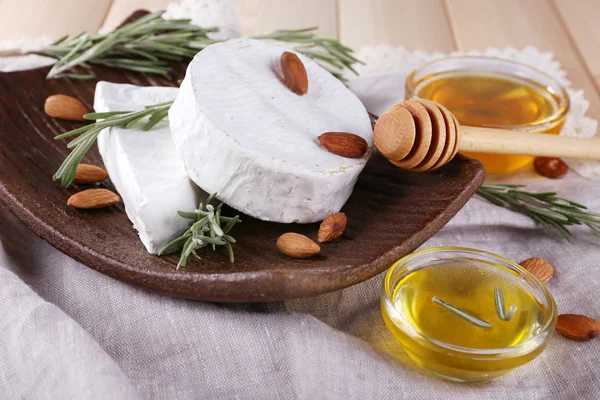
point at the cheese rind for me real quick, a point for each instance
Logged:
(243, 134)
(145, 167)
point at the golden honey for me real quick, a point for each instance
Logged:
(451, 346)
(497, 99)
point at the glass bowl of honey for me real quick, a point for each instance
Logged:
(466, 315)
(495, 93)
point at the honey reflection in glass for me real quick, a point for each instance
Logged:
(489, 92)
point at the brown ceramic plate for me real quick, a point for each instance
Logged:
(390, 213)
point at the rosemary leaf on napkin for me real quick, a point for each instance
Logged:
(545, 208)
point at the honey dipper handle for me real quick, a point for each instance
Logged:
(501, 141)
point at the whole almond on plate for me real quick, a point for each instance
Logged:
(93, 198)
(344, 144)
(577, 327)
(294, 73)
(539, 268)
(550, 167)
(297, 246)
(87, 174)
(332, 227)
(65, 107)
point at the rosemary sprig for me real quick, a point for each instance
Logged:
(462, 313)
(87, 135)
(328, 53)
(500, 308)
(150, 42)
(546, 208)
(205, 231)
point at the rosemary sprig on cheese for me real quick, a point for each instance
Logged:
(546, 208)
(150, 42)
(87, 135)
(206, 231)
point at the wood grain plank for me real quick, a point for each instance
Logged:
(121, 9)
(263, 16)
(582, 23)
(521, 23)
(54, 18)
(416, 25)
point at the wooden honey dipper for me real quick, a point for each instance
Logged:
(420, 135)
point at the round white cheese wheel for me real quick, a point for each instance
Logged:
(243, 134)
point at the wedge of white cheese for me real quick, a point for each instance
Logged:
(243, 134)
(145, 167)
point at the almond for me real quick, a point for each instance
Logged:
(344, 144)
(577, 327)
(296, 245)
(65, 107)
(87, 174)
(294, 73)
(550, 167)
(332, 227)
(539, 268)
(93, 198)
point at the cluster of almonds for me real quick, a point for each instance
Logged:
(341, 143)
(66, 107)
(572, 326)
(299, 246)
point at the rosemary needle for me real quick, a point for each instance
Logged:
(500, 308)
(462, 313)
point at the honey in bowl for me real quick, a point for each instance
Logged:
(470, 287)
(489, 92)
(442, 306)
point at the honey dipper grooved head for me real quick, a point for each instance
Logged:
(417, 135)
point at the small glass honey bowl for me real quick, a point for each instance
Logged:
(494, 93)
(466, 315)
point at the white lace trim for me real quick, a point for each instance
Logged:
(207, 13)
(25, 44)
(385, 59)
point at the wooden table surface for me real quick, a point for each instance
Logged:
(568, 28)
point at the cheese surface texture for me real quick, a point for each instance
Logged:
(145, 167)
(243, 134)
